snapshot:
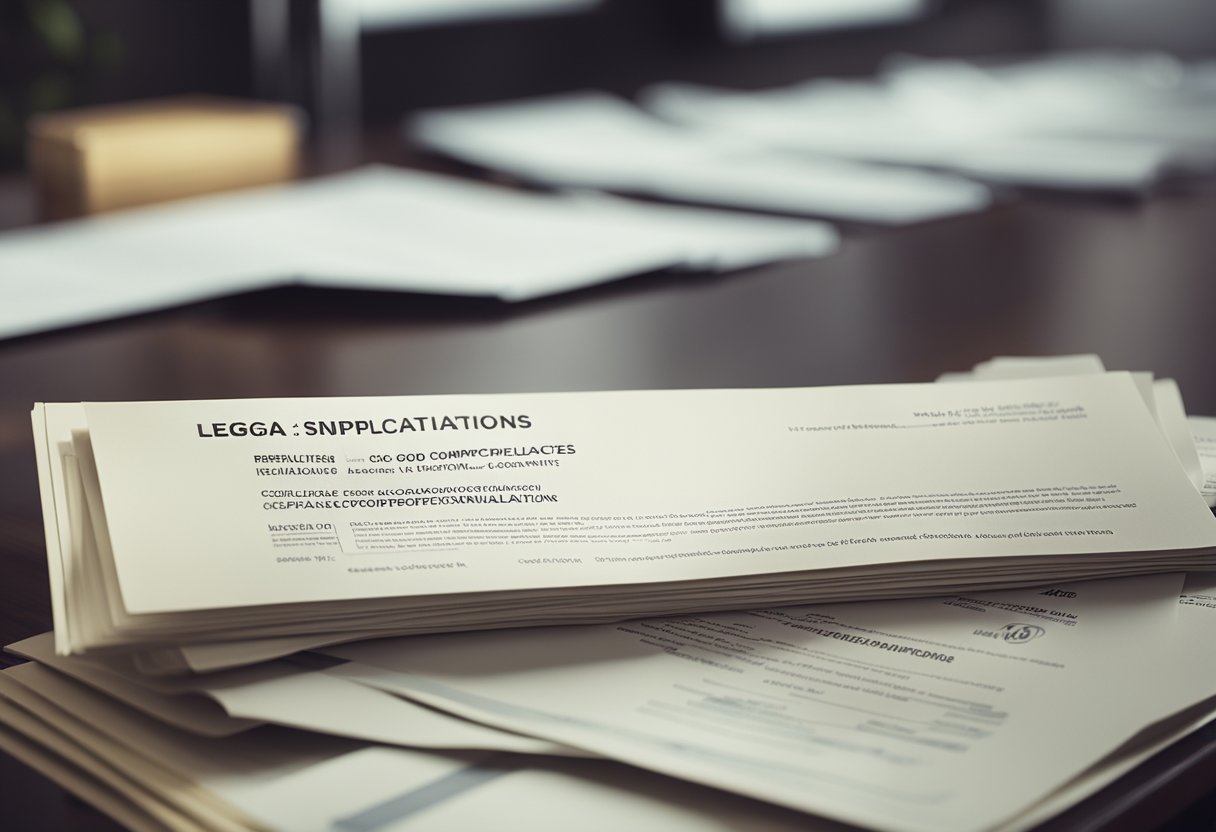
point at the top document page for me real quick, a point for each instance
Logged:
(237, 503)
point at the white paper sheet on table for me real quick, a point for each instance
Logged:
(1107, 96)
(374, 228)
(290, 780)
(902, 714)
(595, 140)
(859, 120)
(1082, 121)
(1192, 679)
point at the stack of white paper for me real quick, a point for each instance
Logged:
(1085, 122)
(596, 140)
(376, 228)
(958, 713)
(311, 521)
(222, 532)
(936, 714)
(152, 776)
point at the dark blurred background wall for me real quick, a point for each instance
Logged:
(61, 53)
(1186, 28)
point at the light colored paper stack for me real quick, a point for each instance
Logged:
(937, 713)
(235, 530)
(961, 701)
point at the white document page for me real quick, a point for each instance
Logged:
(1191, 678)
(1095, 95)
(325, 499)
(913, 716)
(384, 789)
(718, 240)
(1170, 413)
(596, 140)
(385, 229)
(374, 228)
(1203, 430)
(1008, 366)
(1101, 776)
(141, 260)
(869, 121)
(1161, 396)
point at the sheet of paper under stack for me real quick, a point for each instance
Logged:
(934, 713)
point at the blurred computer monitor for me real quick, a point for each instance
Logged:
(745, 20)
(401, 13)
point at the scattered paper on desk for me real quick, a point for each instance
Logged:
(596, 140)
(1105, 96)
(376, 228)
(389, 229)
(1078, 122)
(856, 121)
(896, 716)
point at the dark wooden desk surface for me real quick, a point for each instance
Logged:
(1132, 281)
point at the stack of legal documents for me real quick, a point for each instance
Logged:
(968, 712)
(1076, 121)
(376, 228)
(198, 536)
(217, 532)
